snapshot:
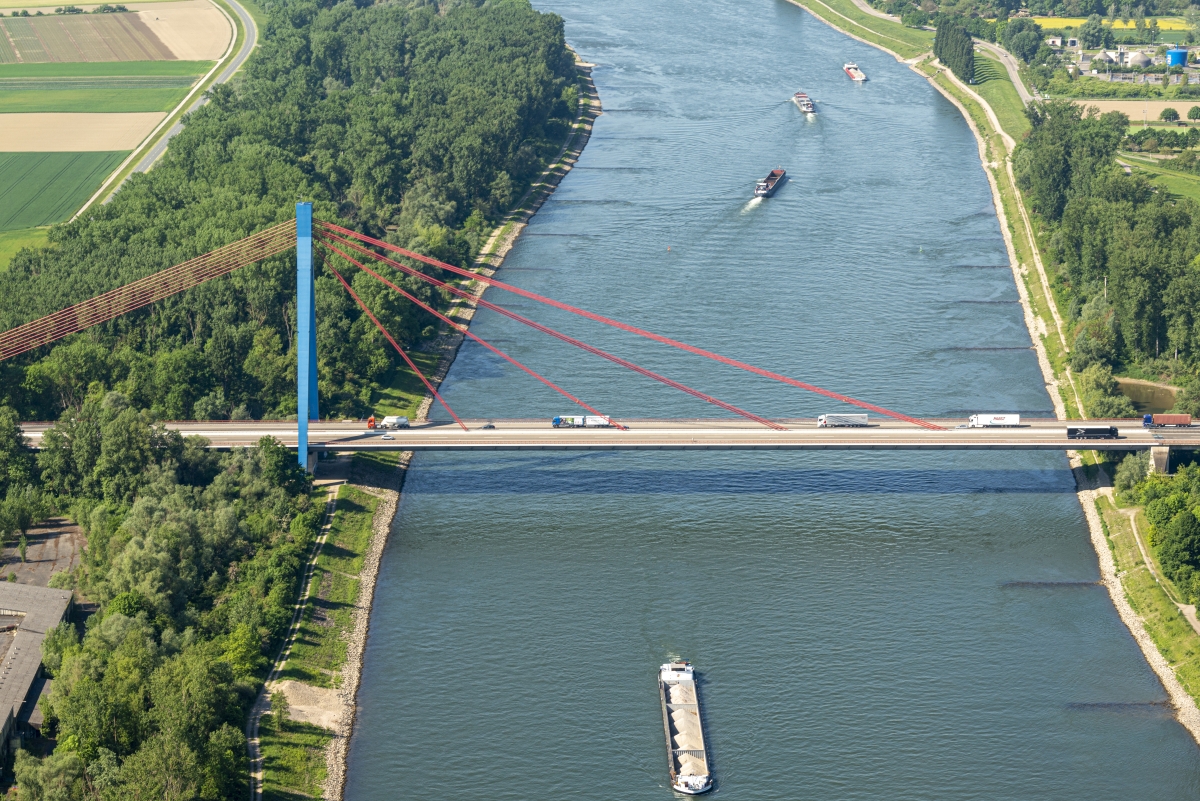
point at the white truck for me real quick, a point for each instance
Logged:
(394, 422)
(842, 421)
(581, 421)
(994, 421)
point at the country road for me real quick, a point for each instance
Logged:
(230, 70)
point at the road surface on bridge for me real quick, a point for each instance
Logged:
(802, 434)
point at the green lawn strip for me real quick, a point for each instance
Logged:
(44, 188)
(12, 241)
(1182, 184)
(1168, 628)
(27, 101)
(908, 42)
(403, 392)
(994, 86)
(379, 460)
(83, 69)
(320, 646)
(293, 759)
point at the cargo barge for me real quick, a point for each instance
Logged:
(765, 187)
(804, 103)
(854, 72)
(687, 756)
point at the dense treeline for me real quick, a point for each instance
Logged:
(420, 123)
(1172, 507)
(1126, 255)
(194, 560)
(953, 46)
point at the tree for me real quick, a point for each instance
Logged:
(279, 710)
(1168, 115)
(953, 46)
(1023, 38)
(1194, 113)
(1093, 33)
(16, 459)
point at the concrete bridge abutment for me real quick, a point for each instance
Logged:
(1160, 459)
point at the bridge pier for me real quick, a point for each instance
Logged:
(306, 333)
(1160, 459)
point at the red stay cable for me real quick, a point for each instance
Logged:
(565, 338)
(633, 329)
(466, 331)
(399, 349)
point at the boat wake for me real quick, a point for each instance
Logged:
(751, 203)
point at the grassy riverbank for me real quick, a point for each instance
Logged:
(886, 33)
(320, 648)
(1151, 594)
(294, 750)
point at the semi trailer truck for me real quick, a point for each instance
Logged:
(842, 421)
(1161, 420)
(994, 421)
(581, 421)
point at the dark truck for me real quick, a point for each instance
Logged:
(1092, 432)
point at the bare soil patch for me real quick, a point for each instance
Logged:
(319, 706)
(52, 547)
(194, 30)
(75, 133)
(81, 37)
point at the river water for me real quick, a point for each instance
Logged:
(899, 626)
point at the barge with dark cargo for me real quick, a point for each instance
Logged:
(765, 187)
(687, 753)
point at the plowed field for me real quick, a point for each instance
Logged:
(79, 37)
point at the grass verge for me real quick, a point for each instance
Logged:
(320, 647)
(293, 759)
(1180, 184)
(12, 241)
(1172, 634)
(993, 85)
(907, 42)
(403, 392)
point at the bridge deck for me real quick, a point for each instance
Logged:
(802, 434)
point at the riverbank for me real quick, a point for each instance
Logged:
(327, 697)
(1048, 334)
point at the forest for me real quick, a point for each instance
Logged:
(418, 123)
(1126, 256)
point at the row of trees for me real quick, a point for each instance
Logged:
(408, 120)
(953, 46)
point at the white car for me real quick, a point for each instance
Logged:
(387, 436)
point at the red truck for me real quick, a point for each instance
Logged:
(1161, 420)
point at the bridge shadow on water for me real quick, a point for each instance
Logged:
(573, 474)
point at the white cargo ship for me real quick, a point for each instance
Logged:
(687, 756)
(804, 103)
(854, 72)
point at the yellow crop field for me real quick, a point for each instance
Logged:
(1164, 23)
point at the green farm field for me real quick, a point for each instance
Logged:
(88, 100)
(99, 69)
(12, 241)
(43, 188)
(79, 37)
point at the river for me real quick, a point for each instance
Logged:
(902, 626)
